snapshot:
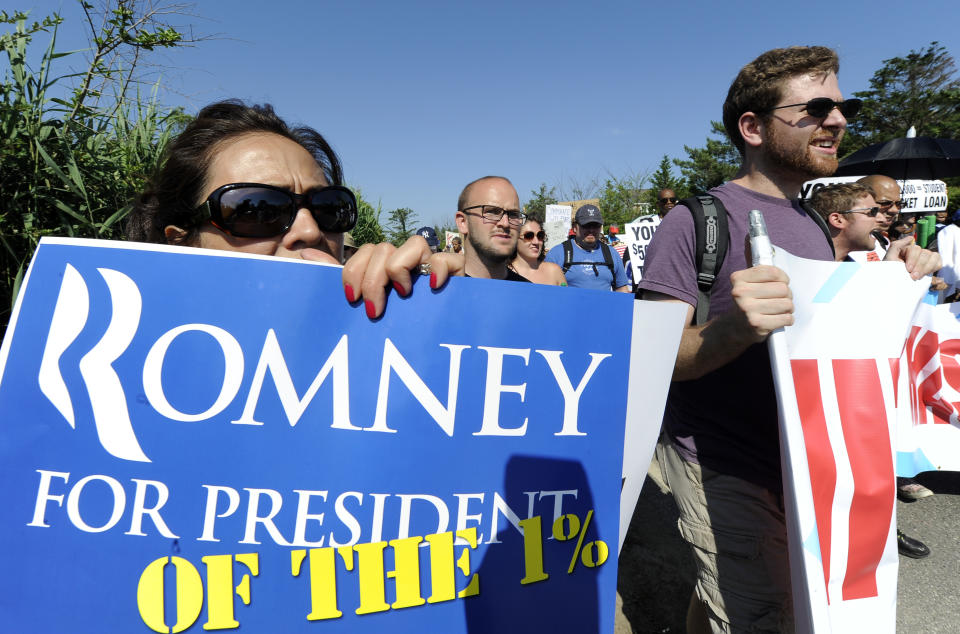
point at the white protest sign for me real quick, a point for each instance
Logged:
(919, 196)
(556, 224)
(638, 235)
(558, 213)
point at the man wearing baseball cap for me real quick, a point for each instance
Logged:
(586, 261)
(430, 235)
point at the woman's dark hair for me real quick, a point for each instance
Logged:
(174, 191)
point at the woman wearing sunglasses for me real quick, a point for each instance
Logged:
(531, 250)
(238, 178)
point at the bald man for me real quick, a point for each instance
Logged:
(489, 218)
(886, 193)
(666, 200)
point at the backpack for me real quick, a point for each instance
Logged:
(607, 258)
(712, 239)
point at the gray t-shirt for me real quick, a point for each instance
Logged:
(727, 419)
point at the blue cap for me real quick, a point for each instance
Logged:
(587, 214)
(429, 235)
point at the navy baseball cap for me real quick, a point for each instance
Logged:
(429, 235)
(587, 214)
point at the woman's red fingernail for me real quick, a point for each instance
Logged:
(433, 280)
(348, 291)
(371, 311)
(399, 287)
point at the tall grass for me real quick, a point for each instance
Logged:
(71, 160)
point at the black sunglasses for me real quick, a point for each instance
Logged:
(888, 204)
(668, 200)
(866, 211)
(528, 236)
(820, 107)
(252, 210)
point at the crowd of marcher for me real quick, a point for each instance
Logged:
(239, 178)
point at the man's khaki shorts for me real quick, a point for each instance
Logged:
(739, 542)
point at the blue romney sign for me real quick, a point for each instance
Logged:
(197, 441)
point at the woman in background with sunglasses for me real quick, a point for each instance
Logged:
(531, 250)
(238, 178)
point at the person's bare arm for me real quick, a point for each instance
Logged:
(763, 303)
(624, 289)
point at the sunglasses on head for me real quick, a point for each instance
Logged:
(252, 210)
(820, 107)
(528, 236)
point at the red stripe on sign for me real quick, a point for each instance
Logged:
(895, 373)
(820, 460)
(949, 349)
(867, 438)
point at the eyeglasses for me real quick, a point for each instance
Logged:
(252, 210)
(528, 236)
(886, 204)
(492, 213)
(668, 200)
(867, 211)
(820, 107)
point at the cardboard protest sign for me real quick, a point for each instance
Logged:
(195, 441)
(838, 399)
(637, 236)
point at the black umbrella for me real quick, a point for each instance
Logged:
(920, 157)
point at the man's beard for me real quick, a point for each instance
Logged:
(488, 256)
(788, 159)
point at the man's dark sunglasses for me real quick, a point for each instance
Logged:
(668, 200)
(886, 204)
(528, 236)
(866, 211)
(820, 107)
(252, 210)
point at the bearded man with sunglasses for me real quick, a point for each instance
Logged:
(720, 452)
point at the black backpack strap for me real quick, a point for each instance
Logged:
(817, 218)
(608, 260)
(712, 239)
(567, 255)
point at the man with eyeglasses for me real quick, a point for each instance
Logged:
(720, 452)
(489, 218)
(666, 200)
(585, 260)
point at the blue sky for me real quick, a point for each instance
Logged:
(419, 98)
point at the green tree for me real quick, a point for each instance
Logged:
(620, 200)
(919, 90)
(75, 154)
(536, 207)
(400, 225)
(368, 227)
(663, 179)
(711, 165)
